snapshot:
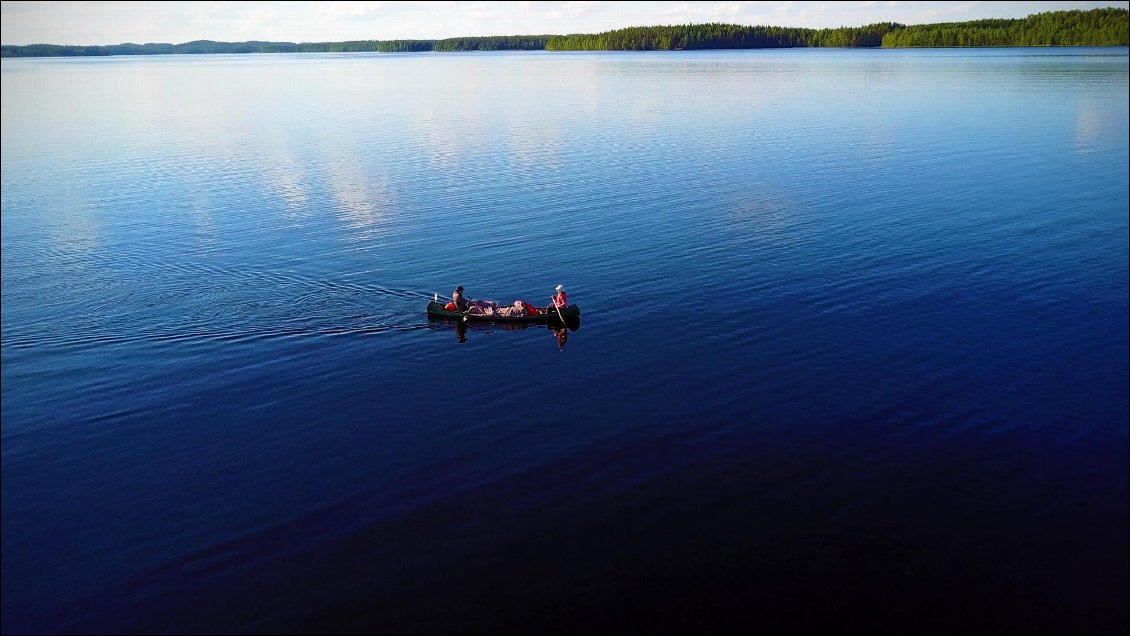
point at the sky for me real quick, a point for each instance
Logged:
(90, 23)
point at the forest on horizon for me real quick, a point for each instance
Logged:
(1096, 27)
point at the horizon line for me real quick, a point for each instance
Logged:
(459, 37)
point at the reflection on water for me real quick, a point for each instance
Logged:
(1096, 122)
(75, 228)
(464, 329)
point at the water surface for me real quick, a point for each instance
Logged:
(853, 351)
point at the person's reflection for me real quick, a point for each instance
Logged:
(562, 331)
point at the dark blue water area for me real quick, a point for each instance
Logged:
(852, 354)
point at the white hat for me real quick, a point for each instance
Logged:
(560, 287)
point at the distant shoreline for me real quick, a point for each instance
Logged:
(1096, 27)
(441, 53)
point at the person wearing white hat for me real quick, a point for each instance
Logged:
(560, 300)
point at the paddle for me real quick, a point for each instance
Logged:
(558, 310)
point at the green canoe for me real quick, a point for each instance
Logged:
(570, 313)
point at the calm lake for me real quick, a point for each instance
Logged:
(852, 355)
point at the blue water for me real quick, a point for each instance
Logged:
(853, 348)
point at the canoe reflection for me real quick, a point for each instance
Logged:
(463, 329)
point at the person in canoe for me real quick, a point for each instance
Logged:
(458, 299)
(560, 301)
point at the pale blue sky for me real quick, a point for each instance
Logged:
(117, 22)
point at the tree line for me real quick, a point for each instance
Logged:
(485, 43)
(1097, 27)
(490, 43)
(721, 36)
(196, 47)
